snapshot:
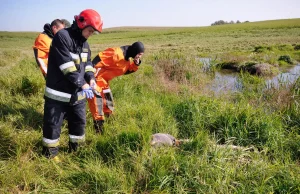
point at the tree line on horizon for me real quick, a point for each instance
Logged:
(222, 22)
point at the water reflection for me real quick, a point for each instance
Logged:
(284, 79)
(227, 80)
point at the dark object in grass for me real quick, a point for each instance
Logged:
(286, 58)
(164, 139)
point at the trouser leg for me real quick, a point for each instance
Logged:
(98, 125)
(96, 107)
(53, 118)
(108, 102)
(76, 124)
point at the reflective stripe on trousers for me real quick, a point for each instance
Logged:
(54, 113)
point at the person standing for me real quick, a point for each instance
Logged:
(42, 44)
(68, 84)
(110, 63)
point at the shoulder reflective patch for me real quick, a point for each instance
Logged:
(84, 57)
(85, 50)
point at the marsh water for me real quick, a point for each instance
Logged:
(227, 80)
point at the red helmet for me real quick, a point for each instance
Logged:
(89, 17)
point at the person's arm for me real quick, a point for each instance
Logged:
(133, 66)
(89, 69)
(65, 60)
(41, 51)
(41, 60)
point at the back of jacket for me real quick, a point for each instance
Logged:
(69, 66)
(113, 64)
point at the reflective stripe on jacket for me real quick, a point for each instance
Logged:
(69, 66)
(61, 96)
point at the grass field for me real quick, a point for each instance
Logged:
(166, 95)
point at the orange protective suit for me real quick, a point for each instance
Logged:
(41, 51)
(112, 64)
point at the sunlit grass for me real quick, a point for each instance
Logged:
(168, 94)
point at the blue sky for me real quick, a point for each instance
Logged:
(31, 15)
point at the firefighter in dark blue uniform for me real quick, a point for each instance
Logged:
(70, 80)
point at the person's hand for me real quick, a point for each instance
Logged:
(93, 84)
(87, 91)
(137, 59)
(95, 88)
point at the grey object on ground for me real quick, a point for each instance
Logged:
(162, 139)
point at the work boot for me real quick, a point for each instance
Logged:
(73, 146)
(50, 152)
(98, 125)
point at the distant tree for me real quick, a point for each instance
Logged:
(66, 22)
(246, 21)
(220, 22)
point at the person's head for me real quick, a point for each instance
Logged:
(89, 21)
(57, 25)
(137, 49)
(66, 23)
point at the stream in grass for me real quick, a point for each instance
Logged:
(227, 80)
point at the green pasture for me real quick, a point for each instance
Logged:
(168, 94)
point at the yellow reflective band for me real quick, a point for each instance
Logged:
(75, 58)
(80, 96)
(57, 95)
(90, 68)
(68, 67)
(84, 57)
(75, 139)
(50, 143)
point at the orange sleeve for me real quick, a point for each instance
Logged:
(132, 66)
(42, 44)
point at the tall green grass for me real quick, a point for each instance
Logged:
(168, 94)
